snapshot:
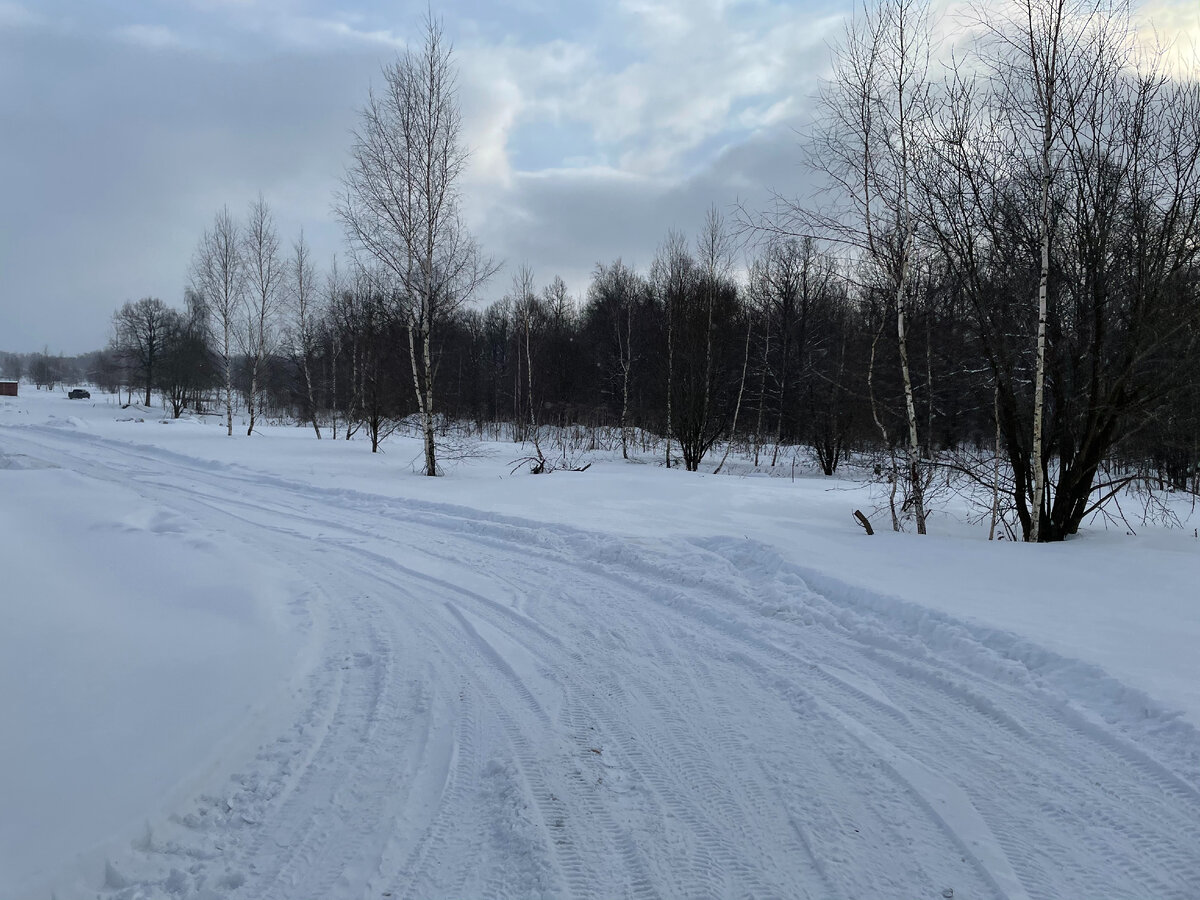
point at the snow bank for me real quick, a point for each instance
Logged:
(137, 653)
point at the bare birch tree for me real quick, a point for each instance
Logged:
(525, 308)
(265, 283)
(714, 251)
(1057, 170)
(219, 276)
(400, 202)
(870, 145)
(671, 275)
(334, 289)
(1045, 65)
(302, 290)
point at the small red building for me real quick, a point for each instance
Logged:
(8, 388)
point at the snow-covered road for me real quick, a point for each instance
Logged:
(492, 706)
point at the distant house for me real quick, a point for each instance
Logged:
(8, 388)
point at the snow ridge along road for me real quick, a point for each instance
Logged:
(491, 706)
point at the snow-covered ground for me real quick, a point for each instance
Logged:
(276, 667)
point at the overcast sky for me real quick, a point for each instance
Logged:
(593, 127)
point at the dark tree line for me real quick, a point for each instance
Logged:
(46, 370)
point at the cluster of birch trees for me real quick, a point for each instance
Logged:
(249, 308)
(1047, 180)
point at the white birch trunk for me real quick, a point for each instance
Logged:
(228, 360)
(1039, 382)
(670, 374)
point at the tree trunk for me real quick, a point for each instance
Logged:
(312, 404)
(228, 383)
(252, 397)
(915, 477)
(670, 373)
(762, 387)
(533, 426)
(626, 365)
(882, 428)
(423, 382)
(785, 346)
(995, 464)
(738, 406)
(1039, 384)
(332, 384)
(352, 397)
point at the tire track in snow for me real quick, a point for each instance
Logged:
(694, 820)
(1084, 785)
(672, 764)
(675, 758)
(683, 787)
(559, 822)
(977, 704)
(422, 874)
(1183, 871)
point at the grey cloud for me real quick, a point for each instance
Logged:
(565, 222)
(117, 170)
(124, 136)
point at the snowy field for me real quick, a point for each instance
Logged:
(275, 667)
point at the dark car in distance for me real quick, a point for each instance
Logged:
(79, 394)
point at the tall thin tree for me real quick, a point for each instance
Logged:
(219, 276)
(302, 293)
(265, 277)
(400, 203)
